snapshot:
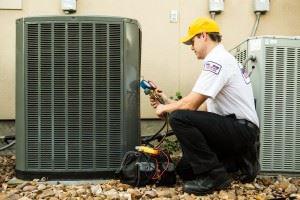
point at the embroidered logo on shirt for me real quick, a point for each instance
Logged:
(212, 67)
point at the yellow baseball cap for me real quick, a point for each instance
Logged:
(200, 25)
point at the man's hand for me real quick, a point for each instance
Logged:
(154, 102)
(160, 111)
(163, 96)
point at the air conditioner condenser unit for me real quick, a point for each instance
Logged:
(276, 85)
(77, 95)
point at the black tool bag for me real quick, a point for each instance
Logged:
(140, 169)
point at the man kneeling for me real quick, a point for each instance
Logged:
(227, 130)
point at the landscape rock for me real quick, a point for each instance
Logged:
(291, 189)
(263, 188)
(41, 187)
(29, 188)
(151, 193)
(96, 190)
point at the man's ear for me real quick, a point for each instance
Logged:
(205, 36)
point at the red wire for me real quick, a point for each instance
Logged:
(156, 169)
(168, 161)
(159, 175)
(157, 147)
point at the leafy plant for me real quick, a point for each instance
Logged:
(172, 146)
(177, 95)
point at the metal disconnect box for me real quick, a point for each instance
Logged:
(276, 84)
(77, 95)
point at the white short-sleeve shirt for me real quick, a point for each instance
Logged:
(227, 85)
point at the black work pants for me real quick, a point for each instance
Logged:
(207, 139)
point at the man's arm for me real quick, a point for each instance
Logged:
(191, 102)
(203, 107)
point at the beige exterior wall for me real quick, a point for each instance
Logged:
(170, 64)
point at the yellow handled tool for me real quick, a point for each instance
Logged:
(148, 150)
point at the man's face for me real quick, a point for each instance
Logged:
(199, 45)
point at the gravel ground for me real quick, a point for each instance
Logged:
(278, 187)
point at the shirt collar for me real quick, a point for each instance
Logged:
(213, 52)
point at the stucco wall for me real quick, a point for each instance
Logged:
(170, 64)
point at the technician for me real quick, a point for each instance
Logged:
(227, 130)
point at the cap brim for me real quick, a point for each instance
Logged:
(186, 40)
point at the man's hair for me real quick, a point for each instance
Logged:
(215, 36)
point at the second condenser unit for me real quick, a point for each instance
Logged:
(275, 69)
(77, 95)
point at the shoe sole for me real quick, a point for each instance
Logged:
(224, 185)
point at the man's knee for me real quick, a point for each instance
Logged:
(178, 117)
(175, 116)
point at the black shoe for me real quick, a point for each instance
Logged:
(185, 170)
(216, 179)
(249, 165)
(249, 170)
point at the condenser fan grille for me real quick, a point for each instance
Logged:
(73, 100)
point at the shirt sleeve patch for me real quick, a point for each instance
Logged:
(212, 67)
